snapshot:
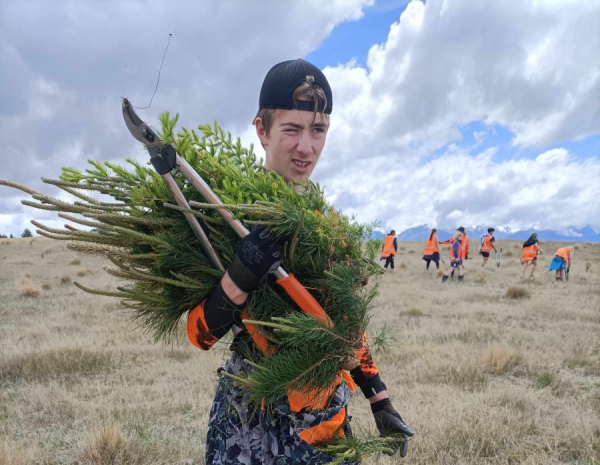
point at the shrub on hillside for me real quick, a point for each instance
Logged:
(517, 292)
(28, 289)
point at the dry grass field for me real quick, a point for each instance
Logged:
(495, 370)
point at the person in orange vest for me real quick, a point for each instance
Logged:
(456, 257)
(531, 249)
(561, 262)
(432, 252)
(389, 249)
(292, 124)
(486, 245)
(464, 245)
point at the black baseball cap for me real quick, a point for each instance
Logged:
(392, 232)
(491, 229)
(461, 229)
(284, 78)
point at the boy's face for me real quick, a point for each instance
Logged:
(294, 143)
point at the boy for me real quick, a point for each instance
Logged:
(292, 124)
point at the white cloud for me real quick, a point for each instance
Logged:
(530, 66)
(66, 64)
(553, 191)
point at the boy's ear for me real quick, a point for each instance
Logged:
(261, 132)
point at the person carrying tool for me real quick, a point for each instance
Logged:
(486, 245)
(561, 263)
(389, 249)
(432, 252)
(456, 257)
(292, 124)
(531, 249)
(464, 243)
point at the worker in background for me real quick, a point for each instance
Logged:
(531, 249)
(389, 249)
(562, 262)
(456, 257)
(464, 243)
(432, 252)
(486, 245)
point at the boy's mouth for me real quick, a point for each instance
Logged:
(301, 164)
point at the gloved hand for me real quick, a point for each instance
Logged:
(390, 423)
(256, 255)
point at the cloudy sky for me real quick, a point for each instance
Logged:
(446, 112)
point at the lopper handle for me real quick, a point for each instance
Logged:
(261, 342)
(304, 299)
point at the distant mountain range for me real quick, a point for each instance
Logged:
(421, 233)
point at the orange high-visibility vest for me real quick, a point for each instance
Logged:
(432, 245)
(388, 246)
(486, 243)
(460, 255)
(465, 247)
(564, 253)
(530, 252)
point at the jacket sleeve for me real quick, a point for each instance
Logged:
(366, 374)
(449, 241)
(212, 319)
(395, 245)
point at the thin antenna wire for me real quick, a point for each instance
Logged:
(158, 80)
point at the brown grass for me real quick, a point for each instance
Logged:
(499, 360)
(48, 250)
(509, 253)
(439, 272)
(480, 377)
(46, 286)
(75, 261)
(28, 289)
(106, 444)
(54, 363)
(65, 279)
(16, 454)
(402, 266)
(84, 272)
(411, 251)
(517, 292)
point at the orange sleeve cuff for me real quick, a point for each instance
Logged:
(197, 329)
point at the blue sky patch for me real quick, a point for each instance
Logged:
(354, 39)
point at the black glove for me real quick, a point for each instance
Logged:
(388, 421)
(256, 256)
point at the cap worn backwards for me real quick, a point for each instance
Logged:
(284, 78)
